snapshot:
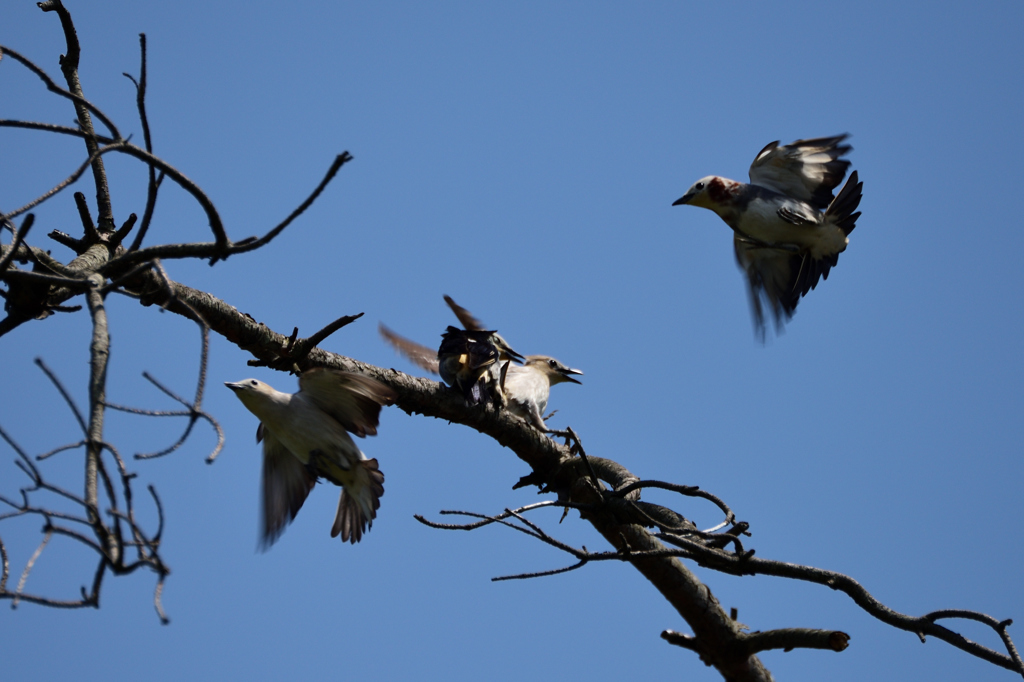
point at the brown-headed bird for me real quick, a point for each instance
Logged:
(527, 387)
(788, 230)
(306, 437)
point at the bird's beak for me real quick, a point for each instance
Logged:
(567, 371)
(234, 385)
(514, 354)
(685, 199)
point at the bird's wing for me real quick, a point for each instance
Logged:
(286, 484)
(807, 170)
(421, 356)
(477, 346)
(352, 399)
(465, 317)
(474, 325)
(778, 275)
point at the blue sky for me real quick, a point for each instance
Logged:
(523, 159)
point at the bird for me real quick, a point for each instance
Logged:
(470, 360)
(505, 352)
(490, 381)
(528, 386)
(306, 437)
(788, 229)
(466, 361)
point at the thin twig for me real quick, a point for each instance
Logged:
(19, 237)
(29, 565)
(64, 394)
(154, 181)
(53, 87)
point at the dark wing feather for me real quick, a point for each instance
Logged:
(465, 317)
(779, 276)
(284, 487)
(807, 170)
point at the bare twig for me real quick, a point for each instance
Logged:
(53, 87)
(28, 567)
(154, 181)
(16, 240)
(63, 393)
(687, 490)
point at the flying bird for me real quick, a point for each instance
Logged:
(788, 229)
(306, 437)
(525, 388)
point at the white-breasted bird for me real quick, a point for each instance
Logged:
(306, 437)
(788, 229)
(528, 386)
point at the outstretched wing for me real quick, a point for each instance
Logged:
(286, 484)
(779, 276)
(421, 356)
(465, 317)
(808, 170)
(352, 399)
(474, 325)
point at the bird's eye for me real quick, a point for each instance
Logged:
(552, 364)
(699, 186)
(253, 382)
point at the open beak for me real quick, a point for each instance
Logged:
(567, 371)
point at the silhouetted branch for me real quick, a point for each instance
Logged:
(154, 181)
(193, 409)
(744, 563)
(16, 241)
(53, 87)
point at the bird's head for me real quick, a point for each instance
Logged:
(713, 192)
(699, 193)
(250, 391)
(555, 371)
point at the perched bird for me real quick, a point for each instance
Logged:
(470, 360)
(505, 352)
(788, 229)
(527, 387)
(306, 437)
(466, 361)
(490, 382)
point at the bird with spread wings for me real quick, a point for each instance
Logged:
(788, 229)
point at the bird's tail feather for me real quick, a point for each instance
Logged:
(842, 208)
(359, 502)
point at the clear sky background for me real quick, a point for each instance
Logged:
(523, 158)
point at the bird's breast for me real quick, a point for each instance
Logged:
(761, 221)
(527, 386)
